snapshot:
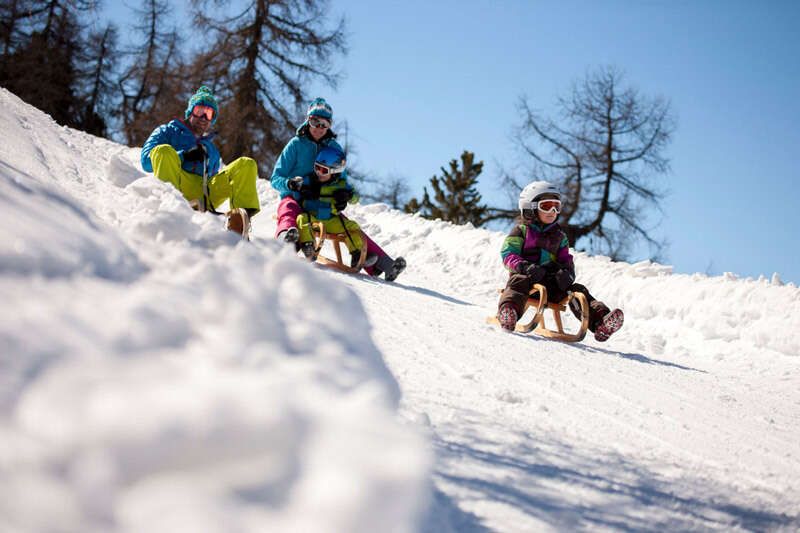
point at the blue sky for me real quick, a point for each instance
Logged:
(426, 80)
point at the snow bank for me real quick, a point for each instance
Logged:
(158, 375)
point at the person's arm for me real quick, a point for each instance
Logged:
(283, 167)
(160, 135)
(353, 196)
(511, 252)
(563, 256)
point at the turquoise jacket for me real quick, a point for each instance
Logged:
(297, 159)
(178, 135)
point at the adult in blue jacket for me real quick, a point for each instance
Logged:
(297, 159)
(182, 153)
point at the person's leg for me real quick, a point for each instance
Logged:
(377, 251)
(167, 167)
(512, 300)
(603, 322)
(305, 242)
(597, 309)
(303, 222)
(354, 241)
(237, 183)
(288, 211)
(516, 292)
(358, 242)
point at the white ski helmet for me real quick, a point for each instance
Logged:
(533, 193)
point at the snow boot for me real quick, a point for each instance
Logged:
(308, 250)
(370, 260)
(608, 325)
(238, 221)
(398, 267)
(385, 265)
(291, 235)
(389, 268)
(507, 316)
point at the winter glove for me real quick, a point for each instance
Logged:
(340, 198)
(307, 191)
(310, 191)
(295, 183)
(564, 278)
(195, 153)
(534, 272)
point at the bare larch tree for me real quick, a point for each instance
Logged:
(153, 87)
(607, 155)
(259, 63)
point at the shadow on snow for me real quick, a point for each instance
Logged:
(570, 489)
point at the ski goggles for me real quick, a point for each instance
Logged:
(322, 169)
(319, 123)
(549, 206)
(203, 111)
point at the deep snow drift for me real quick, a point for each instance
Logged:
(158, 375)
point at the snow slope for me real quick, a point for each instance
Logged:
(158, 375)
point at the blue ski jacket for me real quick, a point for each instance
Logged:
(178, 135)
(297, 159)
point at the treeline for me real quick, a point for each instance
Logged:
(257, 61)
(604, 146)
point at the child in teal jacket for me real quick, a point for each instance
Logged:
(324, 194)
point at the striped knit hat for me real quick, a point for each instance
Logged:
(320, 108)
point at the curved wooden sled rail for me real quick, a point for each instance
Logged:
(537, 299)
(320, 235)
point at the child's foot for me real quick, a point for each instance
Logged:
(608, 325)
(398, 266)
(507, 316)
(390, 268)
(289, 235)
(308, 250)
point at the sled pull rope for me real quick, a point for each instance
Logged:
(207, 205)
(341, 219)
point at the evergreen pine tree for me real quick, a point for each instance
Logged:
(455, 198)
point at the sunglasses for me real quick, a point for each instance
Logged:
(319, 123)
(549, 206)
(203, 111)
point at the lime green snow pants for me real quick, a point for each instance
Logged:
(236, 182)
(332, 225)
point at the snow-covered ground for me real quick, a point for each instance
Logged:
(156, 374)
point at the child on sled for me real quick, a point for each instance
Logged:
(325, 194)
(537, 251)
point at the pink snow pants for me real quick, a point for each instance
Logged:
(288, 209)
